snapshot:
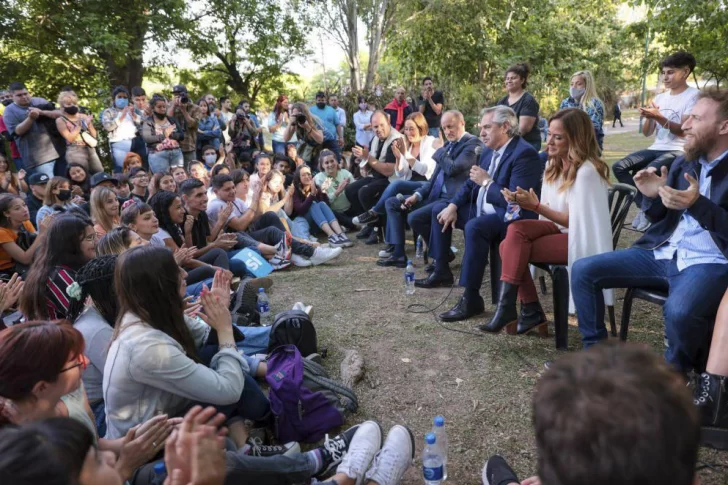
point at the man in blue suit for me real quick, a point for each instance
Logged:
(454, 161)
(685, 250)
(480, 209)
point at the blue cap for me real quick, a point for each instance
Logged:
(439, 421)
(409, 261)
(160, 468)
(261, 290)
(430, 438)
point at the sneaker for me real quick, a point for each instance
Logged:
(299, 260)
(255, 447)
(364, 446)
(335, 242)
(304, 308)
(386, 252)
(366, 218)
(364, 233)
(375, 237)
(283, 248)
(246, 295)
(313, 239)
(640, 222)
(497, 472)
(322, 255)
(394, 458)
(333, 450)
(279, 263)
(343, 239)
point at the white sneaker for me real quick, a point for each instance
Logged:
(394, 458)
(304, 308)
(363, 447)
(299, 260)
(322, 255)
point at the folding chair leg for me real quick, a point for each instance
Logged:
(560, 280)
(495, 274)
(542, 283)
(612, 321)
(626, 314)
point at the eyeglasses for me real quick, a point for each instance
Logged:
(82, 364)
(90, 238)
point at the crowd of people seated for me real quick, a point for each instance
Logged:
(106, 272)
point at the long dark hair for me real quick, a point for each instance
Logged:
(160, 203)
(51, 452)
(96, 279)
(297, 178)
(60, 246)
(5, 201)
(147, 281)
(52, 345)
(86, 184)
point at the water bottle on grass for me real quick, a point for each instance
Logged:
(409, 278)
(432, 468)
(441, 437)
(263, 308)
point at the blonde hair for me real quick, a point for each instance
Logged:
(98, 211)
(590, 89)
(583, 147)
(67, 95)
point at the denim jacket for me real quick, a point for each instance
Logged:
(209, 132)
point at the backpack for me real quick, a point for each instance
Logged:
(293, 327)
(305, 402)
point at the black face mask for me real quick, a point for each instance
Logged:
(64, 195)
(7, 102)
(159, 116)
(71, 110)
(320, 105)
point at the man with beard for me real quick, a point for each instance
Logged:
(685, 250)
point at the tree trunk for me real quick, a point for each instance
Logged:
(376, 41)
(131, 73)
(352, 30)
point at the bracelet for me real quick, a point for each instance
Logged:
(227, 346)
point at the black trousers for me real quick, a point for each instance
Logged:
(365, 192)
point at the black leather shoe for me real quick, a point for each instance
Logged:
(506, 314)
(464, 309)
(365, 233)
(397, 262)
(531, 316)
(435, 280)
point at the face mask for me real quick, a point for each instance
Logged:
(71, 110)
(121, 103)
(7, 102)
(363, 106)
(320, 105)
(64, 195)
(210, 159)
(577, 93)
(160, 116)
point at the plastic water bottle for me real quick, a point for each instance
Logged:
(432, 468)
(441, 437)
(409, 278)
(266, 319)
(419, 245)
(160, 473)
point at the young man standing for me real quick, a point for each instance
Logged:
(340, 112)
(333, 130)
(431, 103)
(664, 117)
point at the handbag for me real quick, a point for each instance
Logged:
(87, 137)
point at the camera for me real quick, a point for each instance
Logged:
(184, 99)
(300, 119)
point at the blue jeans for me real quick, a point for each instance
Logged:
(195, 289)
(279, 147)
(689, 312)
(332, 145)
(119, 149)
(434, 132)
(319, 214)
(237, 266)
(99, 410)
(404, 187)
(162, 161)
(46, 168)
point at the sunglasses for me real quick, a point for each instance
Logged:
(82, 364)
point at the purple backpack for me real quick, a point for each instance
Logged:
(306, 403)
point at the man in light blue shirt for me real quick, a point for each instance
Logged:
(333, 130)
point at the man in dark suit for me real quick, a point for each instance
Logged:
(480, 209)
(454, 161)
(685, 250)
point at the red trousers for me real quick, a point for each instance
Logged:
(531, 241)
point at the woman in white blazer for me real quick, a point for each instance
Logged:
(573, 219)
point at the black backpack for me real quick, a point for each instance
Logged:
(293, 327)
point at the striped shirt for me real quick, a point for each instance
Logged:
(58, 301)
(692, 243)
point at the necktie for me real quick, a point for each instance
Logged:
(493, 163)
(437, 187)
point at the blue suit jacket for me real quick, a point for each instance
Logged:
(456, 165)
(520, 166)
(711, 213)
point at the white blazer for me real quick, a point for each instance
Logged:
(424, 166)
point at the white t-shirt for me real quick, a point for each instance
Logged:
(674, 108)
(158, 238)
(217, 205)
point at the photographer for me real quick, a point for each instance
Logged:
(188, 115)
(308, 130)
(256, 123)
(243, 133)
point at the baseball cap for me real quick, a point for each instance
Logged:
(100, 177)
(179, 89)
(38, 179)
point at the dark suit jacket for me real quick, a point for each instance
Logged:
(520, 166)
(456, 165)
(711, 213)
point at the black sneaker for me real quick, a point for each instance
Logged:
(497, 472)
(333, 451)
(366, 218)
(364, 233)
(375, 237)
(255, 447)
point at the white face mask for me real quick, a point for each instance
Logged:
(210, 159)
(577, 93)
